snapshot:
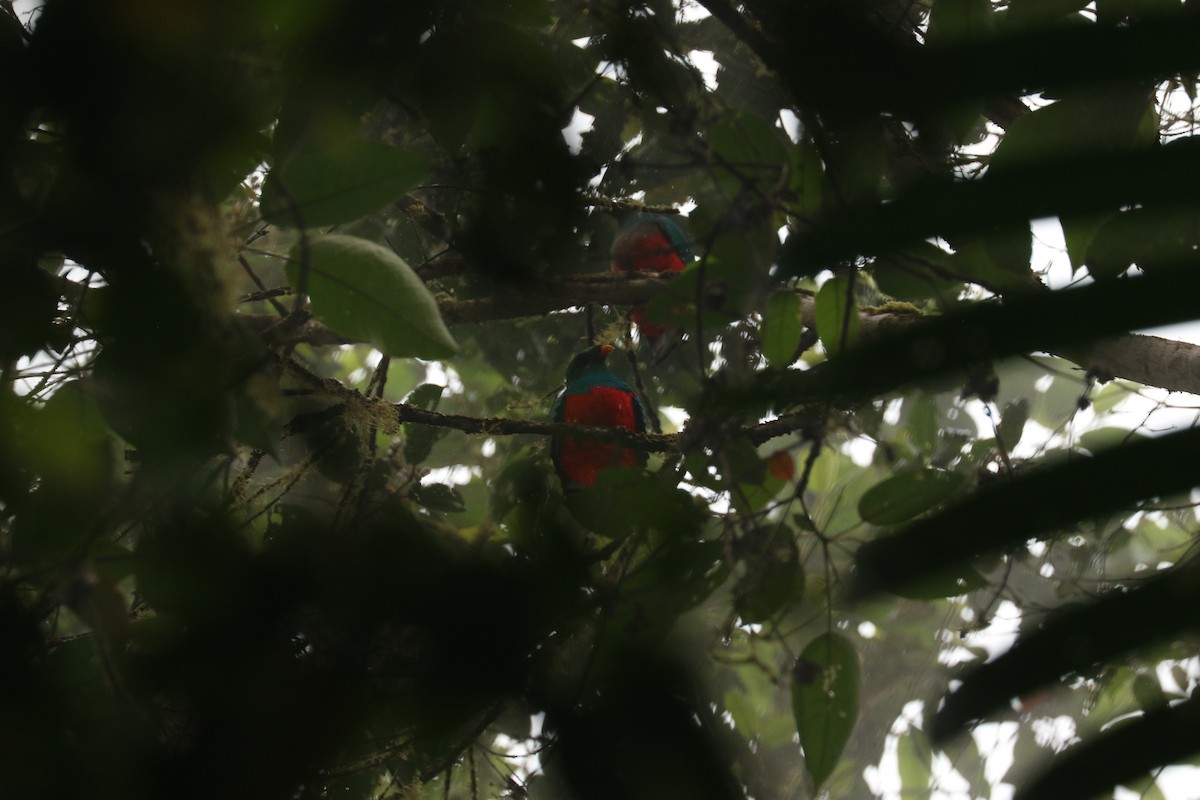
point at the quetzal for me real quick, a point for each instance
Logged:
(649, 243)
(594, 396)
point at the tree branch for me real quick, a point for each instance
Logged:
(390, 416)
(1149, 360)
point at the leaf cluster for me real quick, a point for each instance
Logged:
(288, 291)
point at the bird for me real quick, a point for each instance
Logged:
(594, 396)
(649, 243)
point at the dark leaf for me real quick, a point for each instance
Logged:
(439, 497)
(338, 183)
(836, 315)
(909, 494)
(1118, 756)
(1074, 641)
(825, 683)
(420, 439)
(781, 329)
(1030, 505)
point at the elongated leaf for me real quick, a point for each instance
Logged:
(808, 176)
(1074, 640)
(1079, 230)
(1121, 754)
(1012, 423)
(368, 293)
(337, 184)
(836, 315)
(904, 496)
(1030, 505)
(781, 329)
(917, 272)
(949, 582)
(825, 702)
(935, 347)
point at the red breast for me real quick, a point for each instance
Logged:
(604, 406)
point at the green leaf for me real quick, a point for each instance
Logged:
(758, 483)
(907, 495)
(1152, 238)
(624, 500)
(369, 294)
(1108, 437)
(825, 702)
(781, 329)
(916, 273)
(1012, 423)
(338, 183)
(1085, 123)
(1041, 12)
(680, 576)
(420, 439)
(774, 576)
(949, 582)
(439, 497)
(749, 149)
(68, 440)
(808, 178)
(921, 427)
(1113, 393)
(959, 21)
(753, 703)
(914, 759)
(836, 315)
(998, 258)
(1078, 232)
(1148, 691)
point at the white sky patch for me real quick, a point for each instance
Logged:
(610, 69)
(676, 417)
(438, 373)
(581, 123)
(1054, 732)
(72, 271)
(1050, 254)
(523, 755)
(457, 475)
(28, 11)
(947, 783)
(861, 451)
(996, 638)
(704, 61)
(995, 743)
(791, 124)
(691, 11)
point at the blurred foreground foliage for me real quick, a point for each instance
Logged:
(288, 289)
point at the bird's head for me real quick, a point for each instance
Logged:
(590, 360)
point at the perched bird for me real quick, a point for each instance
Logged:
(649, 243)
(594, 396)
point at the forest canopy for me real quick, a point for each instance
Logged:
(290, 291)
